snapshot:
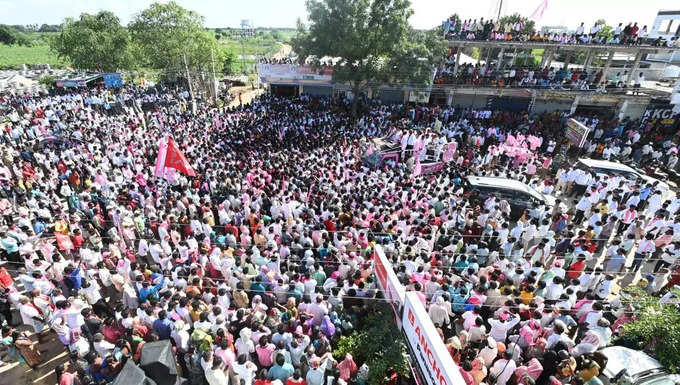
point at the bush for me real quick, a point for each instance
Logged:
(48, 81)
(656, 329)
(378, 343)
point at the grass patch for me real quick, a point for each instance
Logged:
(13, 56)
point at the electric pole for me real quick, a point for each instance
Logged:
(191, 89)
(214, 78)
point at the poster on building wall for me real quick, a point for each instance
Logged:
(294, 72)
(431, 358)
(661, 113)
(576, 132)
(389, 284)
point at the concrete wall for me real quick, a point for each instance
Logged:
(664, 19)
(547, 105)
(474, 101)
(634, 110)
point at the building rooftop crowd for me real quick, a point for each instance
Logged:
(489, 75)
(493, 30)
(272, 60)
(256, 267)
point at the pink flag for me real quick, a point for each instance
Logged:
(418, 169)
(538, 13)
(159, 170)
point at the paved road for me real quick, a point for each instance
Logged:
(53, 354)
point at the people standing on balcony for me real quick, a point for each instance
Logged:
(580, 30)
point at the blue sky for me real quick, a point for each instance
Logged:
(283, 13)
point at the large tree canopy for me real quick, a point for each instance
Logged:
(94, 42)
(370, 41)
(166, 33)
(529, 26)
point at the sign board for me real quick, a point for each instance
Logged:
(662, 114)
(292, 72)
(423, 96)
(431, 168)
(434, 363)
(389, 284)
(576, 132)
(394, 155)
(450, 149)
(419, 97)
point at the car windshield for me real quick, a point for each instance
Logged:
(664, 379)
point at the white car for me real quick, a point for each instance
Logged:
(605, 167)
(520, 195)
(640, 368)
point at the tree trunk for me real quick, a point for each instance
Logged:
(355, 102)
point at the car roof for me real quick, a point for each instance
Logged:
(595, 163)
(505, 183)
(605, 164)
(634, 361)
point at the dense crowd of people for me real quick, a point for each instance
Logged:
(490, 75)
(494, 30)
(273, 60)
(254, 268)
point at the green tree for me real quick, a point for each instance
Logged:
(377, 342)
(411, 63)
(6, 35)
(606, 32)
(167, 33)
(49, 28)
(228, 62)
(276, 35)
(529, 26)
(94, 42)
(10, 34)
(48, 81)
(656, 328)
(367, 37)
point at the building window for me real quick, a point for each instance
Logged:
(665, 25)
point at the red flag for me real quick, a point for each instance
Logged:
(175, 159)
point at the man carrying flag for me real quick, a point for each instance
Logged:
(170, 157)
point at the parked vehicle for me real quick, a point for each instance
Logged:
(605, 167)
(520, 195)
(640, 369)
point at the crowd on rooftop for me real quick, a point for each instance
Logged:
(493, 30)
(490, 75)
(256, 267)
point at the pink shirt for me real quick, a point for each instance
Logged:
(264, 354)
(226, 355)
(533, 368)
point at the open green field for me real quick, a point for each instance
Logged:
(266, 42)
(13, 56)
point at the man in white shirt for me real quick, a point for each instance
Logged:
(503, 369)
(499, 328)
(604, 288)
(102, 346)
(645, 247)
(318, 309)
(215, 374)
